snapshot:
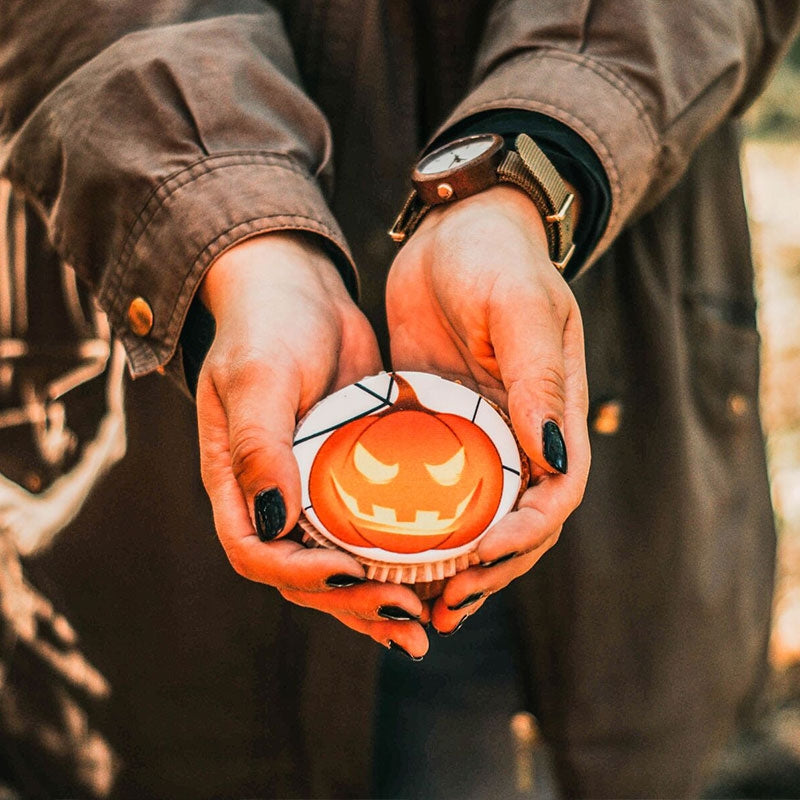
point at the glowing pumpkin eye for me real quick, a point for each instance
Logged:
(373, 470)
(449, 473)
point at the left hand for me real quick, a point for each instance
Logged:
(474, 297)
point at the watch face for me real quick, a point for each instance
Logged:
(456, 154)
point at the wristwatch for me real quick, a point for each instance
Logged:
(471, 164)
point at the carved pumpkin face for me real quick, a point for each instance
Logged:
(407, 480)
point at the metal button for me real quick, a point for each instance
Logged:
(33, 482)
(607, 417)
(140, 316)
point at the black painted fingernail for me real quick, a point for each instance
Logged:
(270, 513)
(467, 601)
(396, 647)
(555, 451)
(343, 581)
(445, 634)
(396, 613)
(501, 560)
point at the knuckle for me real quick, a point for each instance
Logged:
(550, 385)
(243, 368)
(247, 452)
(547, 387)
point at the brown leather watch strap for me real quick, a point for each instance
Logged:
(410, 216)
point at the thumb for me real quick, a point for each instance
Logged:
(261, 406)
(530, 357)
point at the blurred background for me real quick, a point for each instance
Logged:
(772, 173)
(765, 761)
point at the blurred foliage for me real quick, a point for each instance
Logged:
(776, 114)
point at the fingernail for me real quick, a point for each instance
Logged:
(270, 513)
(555, 451)
(467, 601)
(396, 647)
(445, 634)
(343, 581)
(501, 560)
(396, 613)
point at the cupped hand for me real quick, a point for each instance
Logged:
(474, 297)
(287, 335)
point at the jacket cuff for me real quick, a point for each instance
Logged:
(188, 221)
(591, 100)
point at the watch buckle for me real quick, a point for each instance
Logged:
(395, 234)
(563, 211)
(561, 265)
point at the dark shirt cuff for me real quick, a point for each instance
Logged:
(196, 338)
(574, 159)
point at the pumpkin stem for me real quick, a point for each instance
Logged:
(406, 398)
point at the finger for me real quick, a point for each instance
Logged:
(425, 616)
(260, 400)
(481, 581)
(407, 638)
(369, 601)
(447, 621)
(576, 430)
(544, 507)
(284, 562)
(540, 513)
(527, 331)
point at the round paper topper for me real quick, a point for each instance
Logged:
(406, 471)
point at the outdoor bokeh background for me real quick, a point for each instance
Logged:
(772, 175)
(764, 760)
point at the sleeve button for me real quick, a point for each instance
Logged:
(140, 316)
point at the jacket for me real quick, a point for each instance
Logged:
(160, 133)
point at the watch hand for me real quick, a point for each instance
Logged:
(455, 160)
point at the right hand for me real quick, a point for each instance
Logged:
(287, 335)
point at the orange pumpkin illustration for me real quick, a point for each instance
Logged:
(407, 480)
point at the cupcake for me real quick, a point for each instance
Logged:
(406, 471)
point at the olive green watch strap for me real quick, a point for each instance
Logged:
(531, 170)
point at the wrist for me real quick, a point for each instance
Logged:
(470, 165)
(490, 208)
(271, 259)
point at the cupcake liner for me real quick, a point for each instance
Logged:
(385, 572)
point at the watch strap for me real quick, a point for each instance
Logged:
(410, 216)
(531, 170)
(528, 168)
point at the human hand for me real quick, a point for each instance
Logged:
(287, 335)
(474, 297)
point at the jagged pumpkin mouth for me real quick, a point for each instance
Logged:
(425, 523)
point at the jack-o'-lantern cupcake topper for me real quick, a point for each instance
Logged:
(405, 486)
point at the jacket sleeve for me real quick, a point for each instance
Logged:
(153, 134)
(641, 81)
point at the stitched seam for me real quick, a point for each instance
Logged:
(168, 187)
(610, 78)
(201, 261)
(601, 70)
(204, 257)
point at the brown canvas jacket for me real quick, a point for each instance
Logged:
(212, 115)
(153, 135)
